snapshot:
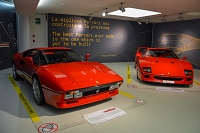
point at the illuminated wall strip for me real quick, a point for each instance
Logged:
(34, 117)
(126, 94)
(197, 82)
(128, 75)
(4, 45)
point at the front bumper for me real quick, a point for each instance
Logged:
(187, 80)
(57, 101)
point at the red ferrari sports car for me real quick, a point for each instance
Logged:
(62, 78)
(162, 65)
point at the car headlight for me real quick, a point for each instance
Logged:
(73, 94)
(112, 87)
(147, 69)
(188, 72)
(68, 96)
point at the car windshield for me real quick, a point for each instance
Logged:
(161, 53)
(59, 56)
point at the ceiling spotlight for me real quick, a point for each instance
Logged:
(164, 19)
(139, 23)
(105, 13)
(147, 21)
(90, 18)
(121, 8)
(181, 17)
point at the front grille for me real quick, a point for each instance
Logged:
(168, 78)
(96, 89)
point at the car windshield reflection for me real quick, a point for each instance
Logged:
(58, 56)
(161, 53)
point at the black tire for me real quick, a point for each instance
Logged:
(137, 75)
(37, 91)
(14, 72)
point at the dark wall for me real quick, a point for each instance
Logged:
(8, 41)
(183, 37)
(106, 40)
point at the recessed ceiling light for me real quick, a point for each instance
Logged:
(134, 13)
(62, 4)
(7, 3)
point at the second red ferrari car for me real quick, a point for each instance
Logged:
(161, 65)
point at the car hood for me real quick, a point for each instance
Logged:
(167, 66)
(80, 72)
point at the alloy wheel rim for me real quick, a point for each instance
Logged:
(36, 90)
(14, 72)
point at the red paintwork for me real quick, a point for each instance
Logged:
(167, 69)
(58, 78)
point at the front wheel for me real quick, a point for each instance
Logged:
(137, 74)
(37, 91)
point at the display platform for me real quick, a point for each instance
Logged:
(143, 108)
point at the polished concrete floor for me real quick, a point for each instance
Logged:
(147, 109)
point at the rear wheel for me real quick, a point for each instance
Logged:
(37, 91)
(14, 72)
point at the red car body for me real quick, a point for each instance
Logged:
(63, 79)
(161, 65)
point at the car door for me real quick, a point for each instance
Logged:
(29, 61)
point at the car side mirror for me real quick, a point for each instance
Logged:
(184, 58)
(29, 60)
(87, 56)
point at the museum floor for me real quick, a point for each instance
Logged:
(148, 110)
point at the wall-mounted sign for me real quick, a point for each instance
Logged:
(106, 40)
(37, 21)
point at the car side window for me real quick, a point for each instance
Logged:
(35, 58)
(141, 49)
(143, 52)
(24, 54)
(42, 59)
(32, 53)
